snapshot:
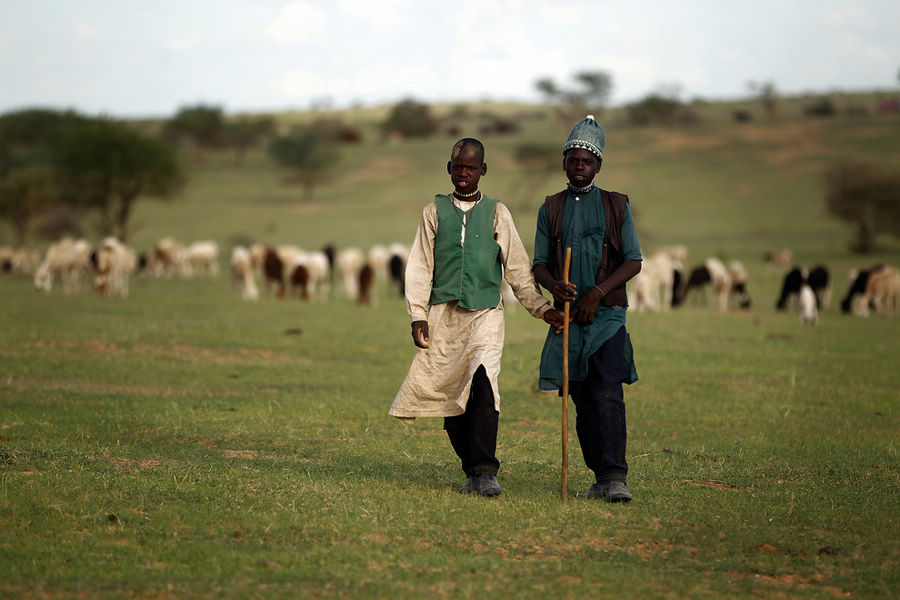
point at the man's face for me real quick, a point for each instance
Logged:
(581, 166)
(466, 169)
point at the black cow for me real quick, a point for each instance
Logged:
(790, 287)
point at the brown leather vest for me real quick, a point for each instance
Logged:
(614, 206)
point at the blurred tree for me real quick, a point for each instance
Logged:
(658, 110)
(591, 96)
(867, 197)
(203, 126)
(768, 96)
(26, 193)
(307, 154)
(29, 141)
(108, 166)
(409, 118)
(244, 133)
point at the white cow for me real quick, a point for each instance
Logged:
(200, 256)
(806, 303)
(651, 289)
(349, 263)
(242, 273)
(115, 264)
(67, 258)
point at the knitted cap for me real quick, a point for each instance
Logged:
(587, 134)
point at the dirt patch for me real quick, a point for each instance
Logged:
(718, 485)
(147, 463)
(241, 453)
(794, 581)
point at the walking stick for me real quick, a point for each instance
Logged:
(564, 489)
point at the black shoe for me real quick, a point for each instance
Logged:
(596, 492)
(618, 492)
(486, 485)
(469, 486)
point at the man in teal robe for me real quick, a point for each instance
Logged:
(597, 225)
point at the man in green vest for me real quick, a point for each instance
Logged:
(465, 246)
(597, 225)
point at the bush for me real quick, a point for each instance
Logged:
(410, 119)
(867, 197)
(659, 110)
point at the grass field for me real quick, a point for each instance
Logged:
(181, 443)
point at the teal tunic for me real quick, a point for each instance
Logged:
(583, 229)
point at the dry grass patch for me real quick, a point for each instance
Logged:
(179, 352)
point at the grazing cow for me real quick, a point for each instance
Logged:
(164, 259)
(273, 271)
(366, 279)
(350, 262)
(379, 257)
(115, 263)
(739, 283)
(779, 258)
(318, 275)
(790, 288)
(806, 301)
(200, 256)
(69, 259)
(397, 265)
(819, 280)
(714, 273)
(242, 273)
(258, 256)
(677, 252)
(299, 277)
(857, 287)
(653, 288)
(883, 291)
(19, 260)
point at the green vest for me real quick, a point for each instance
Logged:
(469, 273)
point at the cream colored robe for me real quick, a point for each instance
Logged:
(440, 376)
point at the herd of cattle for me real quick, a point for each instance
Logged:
(282, 270)
(663, 284)
(287, 270)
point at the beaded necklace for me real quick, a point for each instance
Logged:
(461, 196)
(577, 190)
(464, 214)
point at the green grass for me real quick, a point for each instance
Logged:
(181, 443)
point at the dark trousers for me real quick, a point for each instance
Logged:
(600, 411)
(473, 434)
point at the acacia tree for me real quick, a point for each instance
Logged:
(307, 154)
(201, 125)
(591, 95)
(768, 96)
(29, 140)
(26, 193)
(244, 133)
(108, 166)
(867, 197)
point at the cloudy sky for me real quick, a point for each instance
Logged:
(148, 58)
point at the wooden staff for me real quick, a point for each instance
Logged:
(564, 488)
